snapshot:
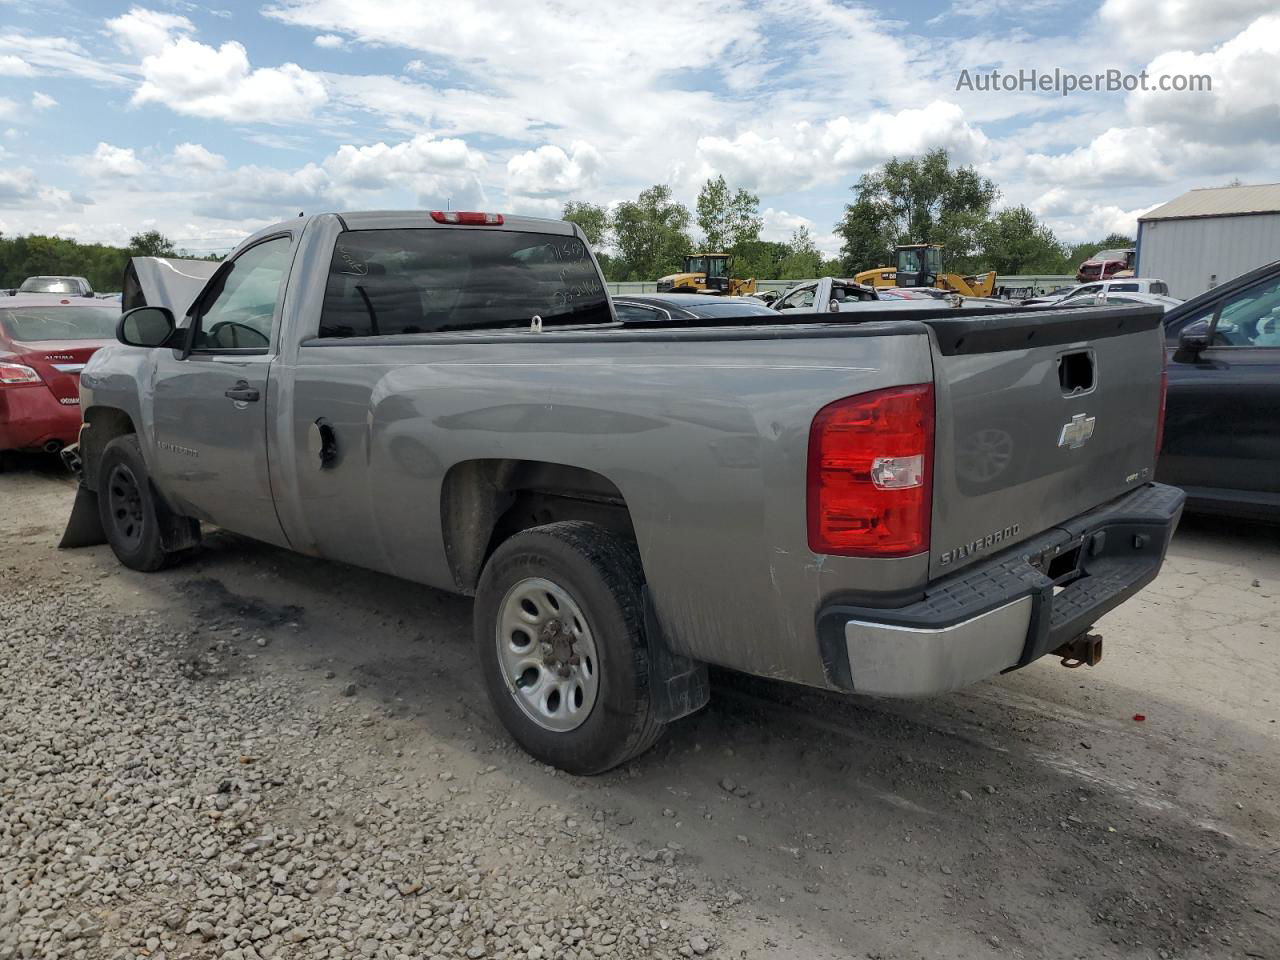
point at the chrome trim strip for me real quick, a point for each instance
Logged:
(68, 367)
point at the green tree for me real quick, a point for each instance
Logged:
(1113, 240)
(1014, 241)
(593, 219)
(916, 200)
(761, 259)
(803, 259)
(727, 218)
(152, 243)
(651, 233)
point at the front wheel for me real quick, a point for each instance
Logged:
(127, 506)
(559, 628)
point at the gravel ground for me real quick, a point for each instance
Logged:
(259, 755)
(163, 797)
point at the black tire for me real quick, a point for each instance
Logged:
(127, 506)
(602, 574)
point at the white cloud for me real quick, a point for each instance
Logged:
(195, 79)
(1242, 105)
(197, 158)
(810, 154)
(8, 108)
(20, 187)
(109, 160)
(145, 33)
(1120, 155)
(780, 225)
(328, 41)
(42, 101)
(1177, 24)
(58, 55)
(17, 185)
(266, 193)
(550, 172)
(199, 80)
(431, 168)
(13, 66)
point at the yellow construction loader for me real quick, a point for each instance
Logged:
(706, 273)
(920, 265)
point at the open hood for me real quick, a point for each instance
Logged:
(165, 282)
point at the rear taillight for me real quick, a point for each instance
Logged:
(871, 474)
(467, 218)
(17, 373)
(1164, 397)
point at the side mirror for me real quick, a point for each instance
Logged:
(146, 327)
(1191, 343)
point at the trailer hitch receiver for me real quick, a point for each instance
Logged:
(1084, 651)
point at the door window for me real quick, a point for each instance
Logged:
(802, 299)
(1086, 291)
(238, 313)
(1251, 318)
(634, 313)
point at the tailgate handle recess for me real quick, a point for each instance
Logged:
(1075, 372)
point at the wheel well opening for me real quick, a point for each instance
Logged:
(483, 502)
(105, 424)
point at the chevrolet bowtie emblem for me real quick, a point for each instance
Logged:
(1076, 432)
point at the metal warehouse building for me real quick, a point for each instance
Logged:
(1207, 236)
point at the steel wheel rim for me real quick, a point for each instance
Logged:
(547, 655)
(124, 500)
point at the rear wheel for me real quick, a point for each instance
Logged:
(559, 628)
(127, 506)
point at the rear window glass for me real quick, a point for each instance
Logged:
(59, 323)
(388, 282)
(1160, 287)
(50, 285)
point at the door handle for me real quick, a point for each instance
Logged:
(243, 392)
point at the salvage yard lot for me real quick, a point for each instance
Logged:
(255, 754)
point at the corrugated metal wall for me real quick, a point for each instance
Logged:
(1193, 255)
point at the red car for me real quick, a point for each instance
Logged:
(1106, 264)
(44, 344)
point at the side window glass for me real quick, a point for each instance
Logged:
(1251, 318)
(240, 313)
(1088, 291)
(800, 300)
(1160, 287)
(634, 313)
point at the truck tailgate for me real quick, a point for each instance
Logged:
(1042, 415)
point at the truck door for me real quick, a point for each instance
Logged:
(1220, 435)
(210, 406)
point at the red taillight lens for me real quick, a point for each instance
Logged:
(17, 373)
(871, 474)
(467, 218)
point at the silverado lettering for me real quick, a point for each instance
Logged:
(975, 546)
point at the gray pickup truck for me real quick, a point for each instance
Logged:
(868, 503)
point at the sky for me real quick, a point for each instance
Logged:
(209, 121)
